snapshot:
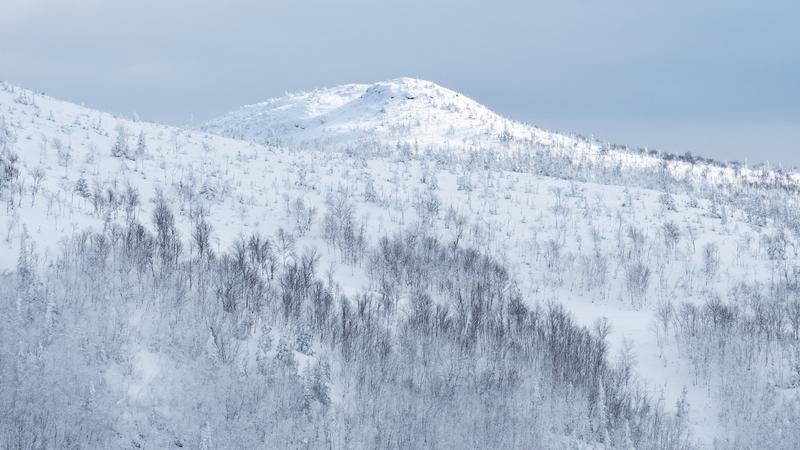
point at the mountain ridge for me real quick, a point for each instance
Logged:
(421, 115)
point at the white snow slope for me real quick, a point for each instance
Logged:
(404, 110)
(552, 233)
(420, 115)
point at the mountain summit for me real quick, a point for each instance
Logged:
(401, 110)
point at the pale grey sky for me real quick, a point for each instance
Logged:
(718, 78)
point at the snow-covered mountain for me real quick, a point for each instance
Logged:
(402, 110)
(420, 115)
(293, 274)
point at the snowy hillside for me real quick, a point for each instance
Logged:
(419, 116)
(536, 291)
(403, 110)
(73, 179)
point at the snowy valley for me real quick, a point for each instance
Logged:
(390, 265)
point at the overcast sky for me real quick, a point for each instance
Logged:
(715, 77)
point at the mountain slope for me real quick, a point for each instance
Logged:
(404, 110)
(72, 180)
(420, 115)
(679, 258)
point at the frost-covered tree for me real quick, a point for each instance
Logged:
(37, 176)
(7, 134)
(120, 147)
(82, 188)
(201, 234)
(672, 234)
(167, 237)
(141, 145)
(9, 170)
(711, 261)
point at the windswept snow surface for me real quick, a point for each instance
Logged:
(551, 232)
(402, 110)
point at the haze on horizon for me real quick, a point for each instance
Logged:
(716, 78)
